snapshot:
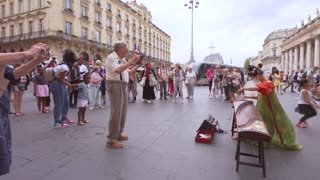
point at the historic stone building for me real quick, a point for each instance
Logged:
(270, 56)
(214, 58)
(89, 28)
(257, 59)
(301, 50)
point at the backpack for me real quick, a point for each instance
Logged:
(49, 74)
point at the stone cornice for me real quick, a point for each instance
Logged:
(304, 34)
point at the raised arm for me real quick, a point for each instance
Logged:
(26, 68)
(247, 89)
(133, 70)
(34, 51)
(123, 67)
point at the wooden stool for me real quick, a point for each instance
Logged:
(260, 156)
(249, 125)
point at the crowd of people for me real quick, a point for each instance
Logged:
(304, 82)
(74, 85)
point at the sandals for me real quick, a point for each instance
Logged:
(301, 125)
(19, 114)
(80, 123)
(85, 121)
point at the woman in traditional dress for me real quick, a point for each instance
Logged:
(278, 124)
(148, 88)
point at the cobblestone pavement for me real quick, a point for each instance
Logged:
(161, 145)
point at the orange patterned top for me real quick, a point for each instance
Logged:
(266, 88)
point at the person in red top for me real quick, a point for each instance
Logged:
(209, 75)
(276, 119)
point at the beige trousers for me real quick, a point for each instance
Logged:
(118, 95)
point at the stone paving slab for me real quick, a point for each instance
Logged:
(161, 145)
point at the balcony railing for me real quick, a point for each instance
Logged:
(85, 17)
(68, 10)
(54, 35)
(25, 36)
(97, 23)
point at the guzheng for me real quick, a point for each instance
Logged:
(250, 126)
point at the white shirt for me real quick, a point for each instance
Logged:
(82, 69)
(95, 76)
(178, 76)
(61, 68)
(191, 77)
(300, 76)
(112, 63)
(308, 98)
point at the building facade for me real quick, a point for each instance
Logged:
(301, 50)
(254, 61)
(270, 56)
(89, 28)
(214, 58)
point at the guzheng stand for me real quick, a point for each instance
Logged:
(249, 126)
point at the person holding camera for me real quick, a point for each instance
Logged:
(117, 78)
(163, 76)
(7, 74)
(178, 74)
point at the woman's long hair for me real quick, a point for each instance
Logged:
(69, 58)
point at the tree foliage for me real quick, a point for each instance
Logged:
(246, 64)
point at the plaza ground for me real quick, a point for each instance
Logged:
(161, 145)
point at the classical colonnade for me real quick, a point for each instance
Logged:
(302, 56)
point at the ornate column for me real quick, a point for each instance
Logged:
(282, 61)
(290, 60)
(301, 56)
(296, 58)
(317, 51)
(308, 59)
(286, 58)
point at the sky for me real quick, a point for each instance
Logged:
(237, 28)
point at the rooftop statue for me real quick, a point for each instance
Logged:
(318, 13)
(302, 23)
(309, 19)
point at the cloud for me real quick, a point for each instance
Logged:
(236, 28)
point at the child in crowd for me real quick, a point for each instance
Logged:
(41, 90)
(306, 105)
(83, 99)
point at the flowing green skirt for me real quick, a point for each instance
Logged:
(277, 122)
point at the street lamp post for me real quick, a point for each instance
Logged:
(191, 5)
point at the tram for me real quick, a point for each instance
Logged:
(200, 69)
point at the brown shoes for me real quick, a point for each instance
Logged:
(115, 144)
(80, 123)
(123, 137)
